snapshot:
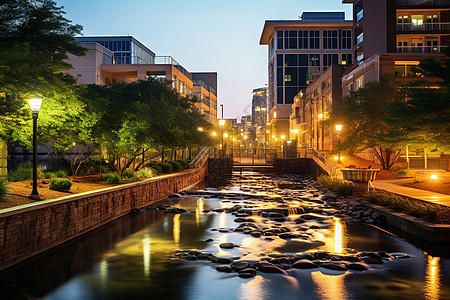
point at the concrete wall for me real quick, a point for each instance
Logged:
(33, 228)
(302, 166)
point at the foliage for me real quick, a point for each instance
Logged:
(176, 166)
(35, 39)
(155, 166)
(60, 184)
(3, 188)
(49, 175)
(425, 211)
(144, 173)
(361, 114)
(184, 163)
(401, 171)
(165, 167)
(62, 173)
(423, 120)
(112, 178)
(24, 172)
(128, 174)
(339, 186)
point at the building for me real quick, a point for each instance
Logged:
(260, 113)
(393, 36)
(299, 51)
(124, 59)
(313, 106)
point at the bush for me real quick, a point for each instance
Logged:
(60, 184)
(24, 172)
(49, 175)
(401, 171)
(157, 169)
(166, 167)
(112, 178)
(145, 173)
(62, 173)
(339, 186)
(184, 163)
(128, 174)
(176, 166)
(427, 212)
(3, 189)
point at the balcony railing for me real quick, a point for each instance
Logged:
(360, 38)
(422, 2)
(169, 60)
(421, 49)
(205, 86)
(359, 15)
(423, 27)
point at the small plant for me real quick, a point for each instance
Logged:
(401, 171)
(60, 184)
(3, 189)
(166, 167)
(62, 173)
(144, 173)
(49, 175)
(176, 166)
(184, 163)
(79, 189)
(112, 178)
(24, 172)
(339, 186)
(128, 174)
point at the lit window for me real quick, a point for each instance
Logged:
(287, 78)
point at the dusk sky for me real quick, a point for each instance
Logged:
(202, 35)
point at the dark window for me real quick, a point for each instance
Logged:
(330, 59)
(347, 59)
(279, 60)
(280, 95)
(280, 40)
(314, 39)
(302, 76)
(290, 39)
(303, 60)
(346, 42)
(291, 92)
(303, 39)
(314, 60)
(330, 39)
(280, 76)
(291, 60)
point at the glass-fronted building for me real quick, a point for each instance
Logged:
(126, 49)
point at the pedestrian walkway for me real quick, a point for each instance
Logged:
(393, 186)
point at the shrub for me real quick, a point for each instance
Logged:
(176, 166)
(60, 184)
(49, 175)
(145, 173)
(401, 171)
(157, 169)
(62, 173)
(112, 178)
(427, 212)
(3, 189)
(165, 167)
(24, 172)
(128, 174)
(184, 163)
(339, 186)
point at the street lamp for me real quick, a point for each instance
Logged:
(222, 123)
(338, 129)
(35, 105)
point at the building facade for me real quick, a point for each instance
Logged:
(299, 51)
(260, 113)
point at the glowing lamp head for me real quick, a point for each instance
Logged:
(214, 133)
(35, 104)
(221, 122)
(320, 116)
(434, 177)
(273, 136)
(283, 137)
(200, 129)
(336, 158)
(296, 131)
(338, 127)
(245, 137)
(234, 140)
(225, 135)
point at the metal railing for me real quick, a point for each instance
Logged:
(422, 2)
(169, 60)
(359, 15)
(328, 166)
(200, 159)
(360, 38)
(420, 49)
(423, 27)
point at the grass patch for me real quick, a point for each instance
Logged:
(429, 212)
(339, 186)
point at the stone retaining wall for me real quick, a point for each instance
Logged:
(33, 228)
(301, 166)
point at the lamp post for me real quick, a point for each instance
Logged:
(35, 105)
(338, 129)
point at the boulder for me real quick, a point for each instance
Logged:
(224, 268)
(304, 264)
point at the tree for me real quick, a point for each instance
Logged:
(35, 39)
(362, 114)
(424, 117)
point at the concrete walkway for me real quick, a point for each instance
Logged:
(393, 186)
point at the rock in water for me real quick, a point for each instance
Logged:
(227, 245)
(304, 264)
(357, 266)
(224, 268)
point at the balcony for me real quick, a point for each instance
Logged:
(423, 27)
(359, 15)
(422, 49)
(360, 38)
(401, 3)
(169, 60)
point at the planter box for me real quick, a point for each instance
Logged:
(359, 175)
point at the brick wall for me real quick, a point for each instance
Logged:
(33, 228)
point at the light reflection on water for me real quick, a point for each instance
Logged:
(330, 287)
(176, 229)
(432, 278)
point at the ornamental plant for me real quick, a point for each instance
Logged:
(60, 184)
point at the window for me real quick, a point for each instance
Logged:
(291, 60)
(290, 39)
(280, 39)
(314, 39)
(330, 39)
(406, 71)
(417, 21)
(279, 95)
(346, 39)
(314, 60)
(347, 59)
(288, 78)
(330, 59)
(303, 39)
(360, 82)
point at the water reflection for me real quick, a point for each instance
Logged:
(146, 253)
(176, 229)
(432, 278)
(330, 286)
(199, 210)
(254, 289)
(338, 239)
(222, 220)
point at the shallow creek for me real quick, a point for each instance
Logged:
(256, 237)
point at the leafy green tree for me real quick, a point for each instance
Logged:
(361, 114)
(35, 39)
(423, 120)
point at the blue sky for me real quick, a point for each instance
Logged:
(202, 35)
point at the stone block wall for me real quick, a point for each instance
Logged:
(33, 228)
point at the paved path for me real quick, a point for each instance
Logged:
(392, 186)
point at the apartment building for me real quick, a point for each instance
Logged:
(392, 36)
(260, 113)
(299, 51)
